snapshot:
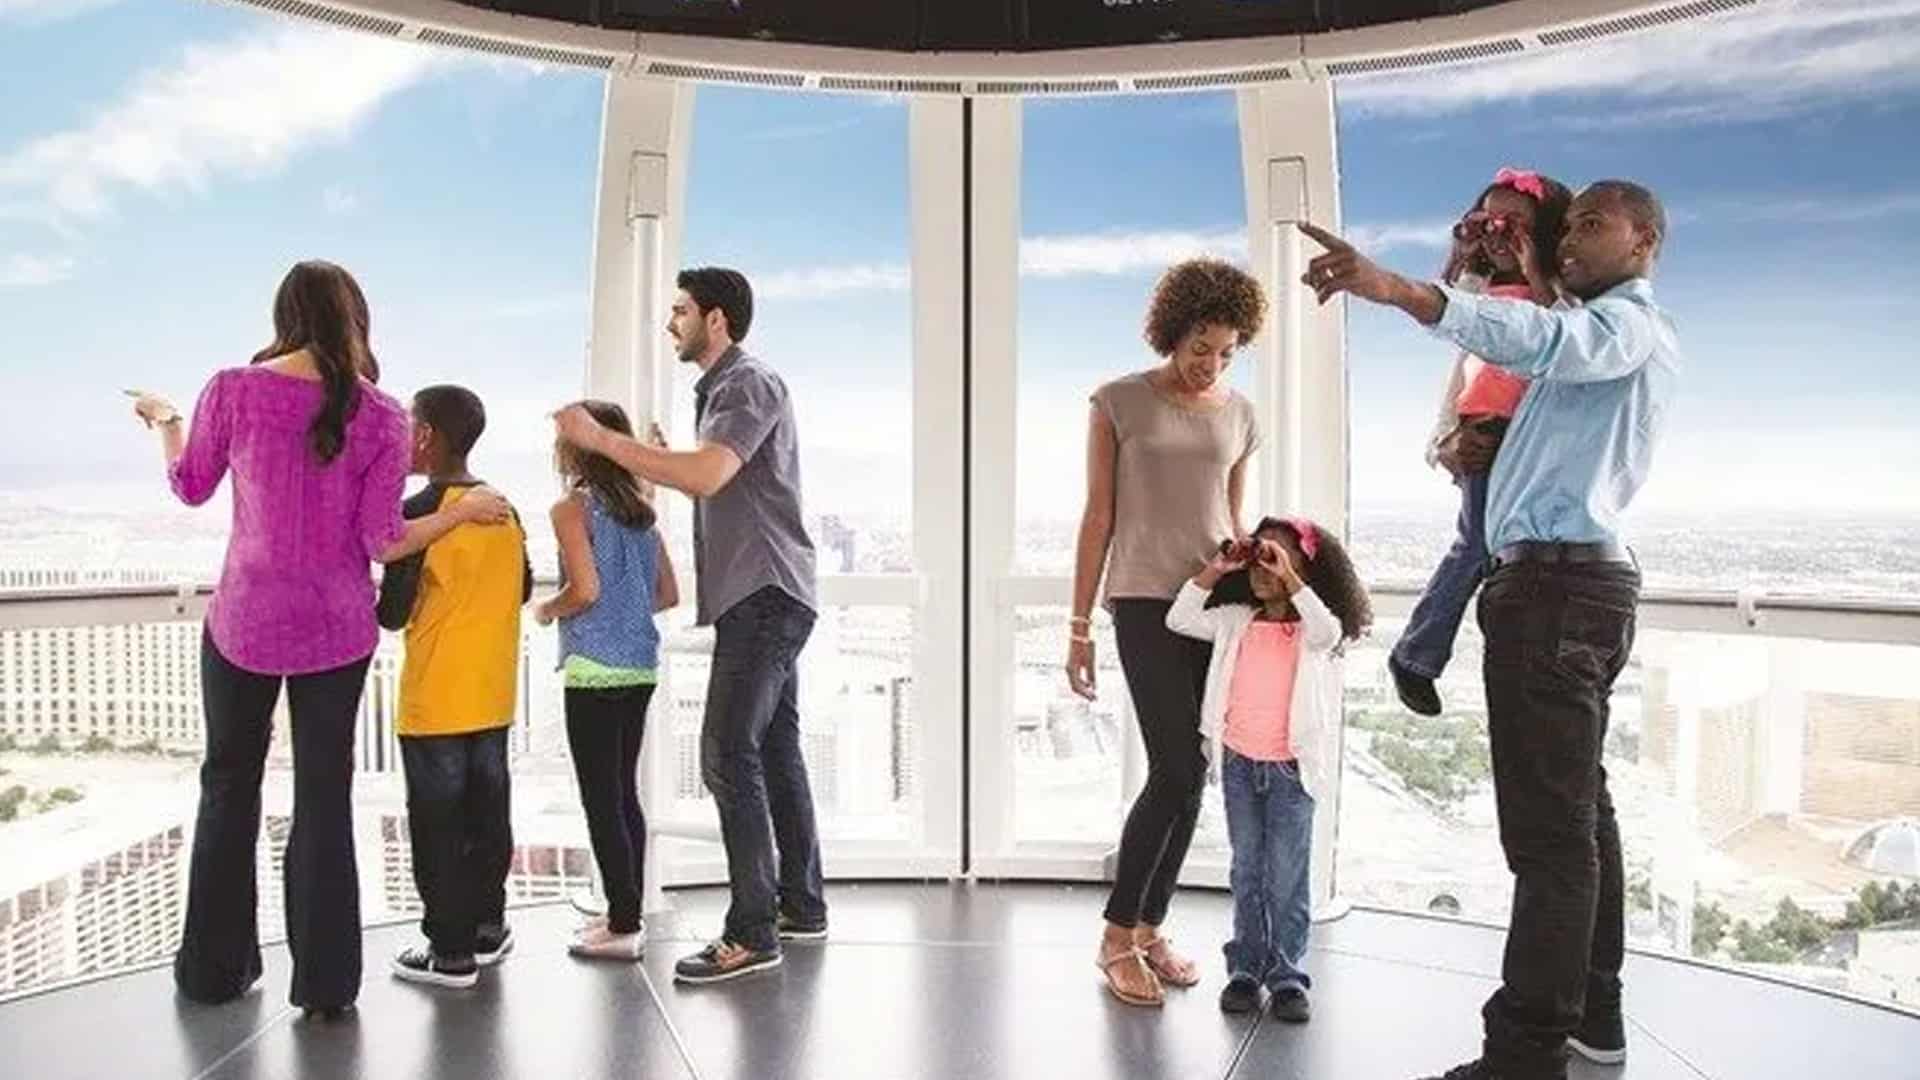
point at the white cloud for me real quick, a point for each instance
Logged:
(1774, 59)
(245, 107)
(1124, 252)
(822, 282)
(20, 270)
(339, 202)
(1086, 254)
(1387, 235)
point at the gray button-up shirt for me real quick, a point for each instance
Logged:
(750, 534)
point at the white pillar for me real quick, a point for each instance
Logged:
(995, 284)
(937, 188)
(645, 133)
(1289, 160)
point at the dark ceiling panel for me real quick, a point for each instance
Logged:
(977, 25)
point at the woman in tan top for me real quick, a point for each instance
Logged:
(1167, 453)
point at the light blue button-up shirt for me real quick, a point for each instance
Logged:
(1581, 445)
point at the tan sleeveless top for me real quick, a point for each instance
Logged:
(1170, 484)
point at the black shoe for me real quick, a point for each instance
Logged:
(422, 965)
(1472, 1070)
(490, 945)
(1416, 690)
(1601, 1037)
(791, 929)
(1240, 995)
(724, 960)
(1290, 1004)
(327, 1013)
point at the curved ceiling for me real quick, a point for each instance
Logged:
(1002, 47)
(981, 25)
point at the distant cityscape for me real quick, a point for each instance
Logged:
(1747, 771)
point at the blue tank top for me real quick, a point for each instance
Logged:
(618, 630)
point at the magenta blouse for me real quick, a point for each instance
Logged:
(296, 593)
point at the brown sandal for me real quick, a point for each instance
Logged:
(1165, 969)
(1130, 955)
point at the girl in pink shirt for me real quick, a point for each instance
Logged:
(1278, 608)
(1480, 401)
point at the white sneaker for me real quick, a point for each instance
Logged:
(599, 943)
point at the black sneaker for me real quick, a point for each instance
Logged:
(1472, 1070)
(1416, 690)
(1601, 1037)
(1290, 1004)
(791, 929)
(1240, 995)
(490, 945)
(724, 960)
(422, 965)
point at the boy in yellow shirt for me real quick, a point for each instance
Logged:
(459, 601)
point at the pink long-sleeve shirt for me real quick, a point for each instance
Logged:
(296, 592)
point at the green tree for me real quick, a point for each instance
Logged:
(97, 744)
(62, 795)
(1710, 922)
(48, 744)
(10, 801)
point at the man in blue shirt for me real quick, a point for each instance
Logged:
(1557, 612)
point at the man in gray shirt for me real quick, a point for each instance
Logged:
(755, 575)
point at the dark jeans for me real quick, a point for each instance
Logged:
(750, 758)
(1166, 676)
(1270, 824)
(459, 819)
(604, 729)
(1427, 644)
(219, 953)
(1557, 636)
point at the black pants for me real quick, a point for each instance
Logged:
(751, 759)
(1167, 677)
(219, 953)
(604, 728)
(459, 817)
(1557, 636)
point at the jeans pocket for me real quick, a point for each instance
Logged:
(1592, 641)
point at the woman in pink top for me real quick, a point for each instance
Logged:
(1277, 610)
(1479, 403)
(318, 458)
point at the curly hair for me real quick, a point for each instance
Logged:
(1330, 574)
(1203, 292)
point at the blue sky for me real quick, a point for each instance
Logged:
(162, 162)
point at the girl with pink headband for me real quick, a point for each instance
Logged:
(1520, 213)
(1277, 607)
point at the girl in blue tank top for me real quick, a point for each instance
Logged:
(614, 575)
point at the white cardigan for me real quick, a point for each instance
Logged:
(1314, 723)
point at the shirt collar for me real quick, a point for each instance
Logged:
(712, 375)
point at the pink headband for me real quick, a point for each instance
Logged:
(1524, 181)
(1309, 536)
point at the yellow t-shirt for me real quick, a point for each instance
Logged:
(462, 618)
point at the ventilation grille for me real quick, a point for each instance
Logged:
(1205, 79)
(1483, 50)
(787, 80)
(539, 54)
(888, 86)
(1646, 20)
(1048, 86)
(352, 20)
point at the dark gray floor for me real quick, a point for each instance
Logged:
(932, 982)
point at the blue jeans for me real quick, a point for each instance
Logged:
(1427, 644)
(1270, 823)
(459, 818)
(750, 758)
